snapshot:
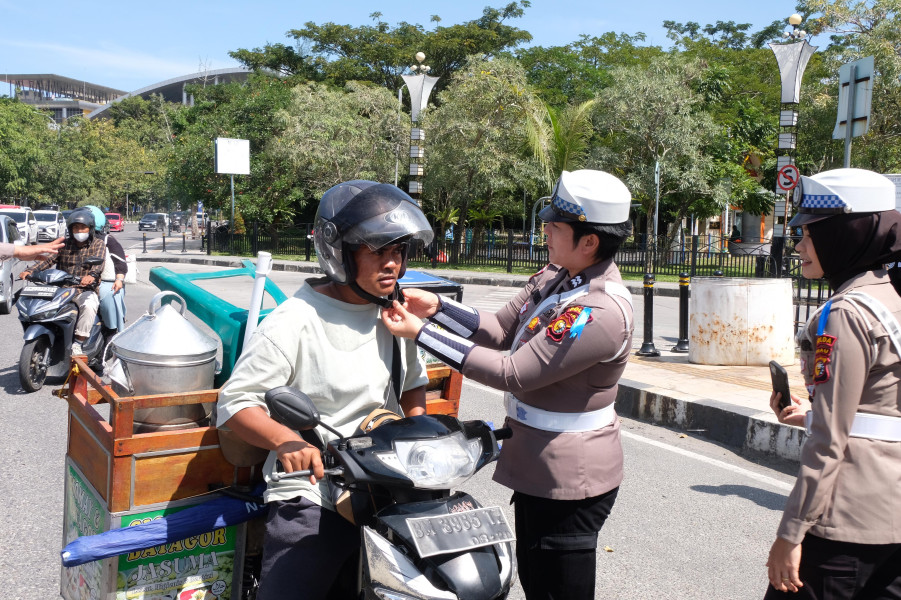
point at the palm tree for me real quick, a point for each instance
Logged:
(559, 137)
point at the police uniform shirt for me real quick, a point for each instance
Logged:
(555, 368)
(848, 487)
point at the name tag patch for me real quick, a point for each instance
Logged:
(822, 358)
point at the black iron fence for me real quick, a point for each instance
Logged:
(700, 255)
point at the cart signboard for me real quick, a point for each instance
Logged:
(85, 515)
(200, 567)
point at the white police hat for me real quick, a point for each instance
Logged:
(841, 191)
(588, 196)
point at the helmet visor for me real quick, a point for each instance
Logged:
(381, 215)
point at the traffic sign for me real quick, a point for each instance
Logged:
(788, 177)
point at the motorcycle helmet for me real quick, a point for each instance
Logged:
(83, 216)
(360, 212)
(99, 219)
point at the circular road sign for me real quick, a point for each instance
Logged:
(788, 177)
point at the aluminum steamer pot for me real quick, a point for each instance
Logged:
(164, 353)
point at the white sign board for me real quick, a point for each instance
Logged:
(232, 156)
(896, 179)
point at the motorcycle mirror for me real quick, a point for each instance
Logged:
(92, 261)
(291, 407)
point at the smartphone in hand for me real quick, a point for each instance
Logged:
(780, 383)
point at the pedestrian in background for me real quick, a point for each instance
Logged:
(569, 332)
(840, 534)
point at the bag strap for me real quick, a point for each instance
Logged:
(392, 403)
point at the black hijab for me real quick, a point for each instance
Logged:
(850, 244)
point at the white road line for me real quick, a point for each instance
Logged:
(770, 481)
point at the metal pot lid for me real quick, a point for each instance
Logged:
(165, 333)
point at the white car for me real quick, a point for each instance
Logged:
(51, 225)
(9, 267)
(25, 221)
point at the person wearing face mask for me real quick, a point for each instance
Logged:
(82, 244)
(840, 534)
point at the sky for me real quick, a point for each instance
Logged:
(129, 45)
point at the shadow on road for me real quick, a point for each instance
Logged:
(763, 498)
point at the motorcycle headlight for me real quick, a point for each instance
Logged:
(438, 463)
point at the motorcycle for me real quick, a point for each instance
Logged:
(418, 540)
(48, 314)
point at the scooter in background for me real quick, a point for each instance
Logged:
(48, 313)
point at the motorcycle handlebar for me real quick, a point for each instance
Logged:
(278, 476)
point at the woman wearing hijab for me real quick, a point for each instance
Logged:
(840, 534)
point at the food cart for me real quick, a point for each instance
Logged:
(118, 477)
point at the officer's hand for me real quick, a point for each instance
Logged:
(421, 303)
(782, 566)
(792, 414)
(400, 322)
(298, 455)
(87, 280)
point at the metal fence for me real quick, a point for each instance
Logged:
(705, 255)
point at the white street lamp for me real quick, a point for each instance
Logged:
(419, 86)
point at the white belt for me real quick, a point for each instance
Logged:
(558, 421)
(870, 426)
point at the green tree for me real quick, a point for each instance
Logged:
(332, 135)
(26, 141)
(477, 140)
(577, 72)
(380, 53)
(655, 116)
(249, 111)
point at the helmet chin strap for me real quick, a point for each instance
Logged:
(386, 302)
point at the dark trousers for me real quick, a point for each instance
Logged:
(304, 550)
(833, 570)
(556, 544)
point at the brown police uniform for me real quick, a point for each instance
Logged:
(849, 488)
(553, 370)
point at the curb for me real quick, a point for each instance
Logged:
(750, 430)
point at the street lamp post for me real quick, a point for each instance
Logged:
(419, 85)
(792, 58)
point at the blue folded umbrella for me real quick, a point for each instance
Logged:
(208, 516)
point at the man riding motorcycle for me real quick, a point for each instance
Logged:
(82, 244)
(328, 342)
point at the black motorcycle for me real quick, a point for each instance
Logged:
(418, 540)
(48, 314)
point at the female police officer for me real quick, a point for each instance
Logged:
(840, 535)
(569, 332)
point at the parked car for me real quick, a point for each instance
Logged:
(25, 221)
(51, 225)
(152, 221)
(10, 267)
(115, 222)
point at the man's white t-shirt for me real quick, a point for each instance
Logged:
(338, 354)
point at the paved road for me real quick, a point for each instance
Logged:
(693, 520)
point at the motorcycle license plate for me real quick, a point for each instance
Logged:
(460, 531)
(38, 291)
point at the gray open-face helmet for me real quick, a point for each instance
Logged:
(84, 216)
(360, 212)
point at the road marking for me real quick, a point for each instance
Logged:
(770, 481)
